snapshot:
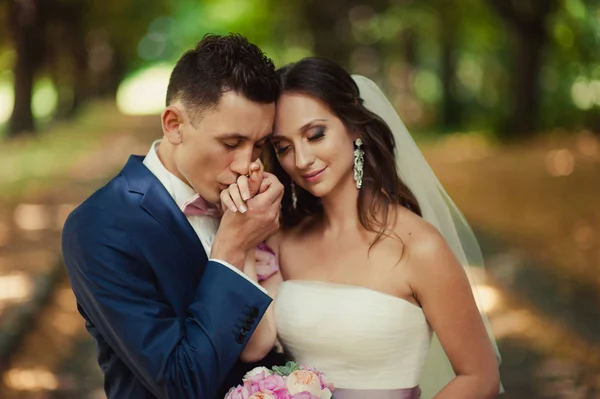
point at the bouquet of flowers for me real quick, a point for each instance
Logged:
(292, 381)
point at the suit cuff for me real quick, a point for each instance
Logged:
(238, 271)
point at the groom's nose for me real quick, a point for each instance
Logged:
(241, 161)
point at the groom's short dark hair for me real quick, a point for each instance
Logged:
(219, 64)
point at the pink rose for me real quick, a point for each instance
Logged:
(253, 387)
(262, 395)
(256, 374)
(282, 394)
(272, 383)
(266, 262)
(239, 392)
(324, 382)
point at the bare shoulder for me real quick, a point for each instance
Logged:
(440, 285)
(425, 247)
(285, 237)
(298, 232)
(432, 267)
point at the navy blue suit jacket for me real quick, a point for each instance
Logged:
(167, 322)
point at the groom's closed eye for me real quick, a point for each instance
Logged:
(260, 143)
(232, 144)
(232, 140)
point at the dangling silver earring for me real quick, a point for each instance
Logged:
(294, 196)
(359, 161)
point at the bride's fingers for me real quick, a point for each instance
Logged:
(227, 202)
(242, 183)
(236, 196)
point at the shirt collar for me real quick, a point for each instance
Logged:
(180, 191)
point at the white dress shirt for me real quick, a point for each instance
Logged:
(204, 226)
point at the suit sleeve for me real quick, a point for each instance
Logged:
(173, 357)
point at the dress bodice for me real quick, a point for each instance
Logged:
(360, 338)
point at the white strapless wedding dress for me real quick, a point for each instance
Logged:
(369, 344)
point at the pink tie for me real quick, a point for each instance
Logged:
(198, 206)
(266, 262)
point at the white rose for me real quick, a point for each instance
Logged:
(325, 394)
(257, 371)
(303, 380)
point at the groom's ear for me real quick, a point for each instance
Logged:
(172, 119)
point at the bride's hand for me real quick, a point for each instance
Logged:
(246, 187)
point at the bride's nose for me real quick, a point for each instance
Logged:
(304, 157)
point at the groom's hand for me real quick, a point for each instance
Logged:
(240, 232)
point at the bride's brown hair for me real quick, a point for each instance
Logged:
(381, 187)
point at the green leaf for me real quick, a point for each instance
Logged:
(286, 370)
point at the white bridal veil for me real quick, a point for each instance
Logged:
(439, 210)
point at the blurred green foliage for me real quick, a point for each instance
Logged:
(510, 67)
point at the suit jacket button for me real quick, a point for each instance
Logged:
(248, 324)
(244, 331)
(240, 339)
(254, 311)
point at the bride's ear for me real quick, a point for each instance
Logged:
(354, 133)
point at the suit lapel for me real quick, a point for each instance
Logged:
(161, 206)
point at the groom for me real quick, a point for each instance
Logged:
(158, 278)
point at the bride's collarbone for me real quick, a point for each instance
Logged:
(348, 265)
(386, 251)
(349, 261)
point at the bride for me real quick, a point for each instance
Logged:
(373, 255)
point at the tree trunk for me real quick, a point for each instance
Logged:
(327, 19)
(73, 86)
(451, 115)
(409, 45)
(526, 87)
(26, 26)
(526, 19)
(323, 19)
(80, 86)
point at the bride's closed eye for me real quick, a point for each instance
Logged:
(279, 150)
(319, 134)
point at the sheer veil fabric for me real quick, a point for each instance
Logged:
(439, 210)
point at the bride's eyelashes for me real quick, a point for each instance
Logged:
(281, 150)
(318, 135)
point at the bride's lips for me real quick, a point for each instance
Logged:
(313, 176)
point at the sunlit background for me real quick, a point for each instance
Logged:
(503, 97)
